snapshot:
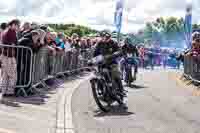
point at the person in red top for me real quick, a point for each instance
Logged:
(10, 36)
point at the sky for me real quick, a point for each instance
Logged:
(97, 14)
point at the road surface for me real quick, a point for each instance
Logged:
(48, 112)
(158, 103)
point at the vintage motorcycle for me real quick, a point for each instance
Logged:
(106, 90)
(129, 64)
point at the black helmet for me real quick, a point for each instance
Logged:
(102, 34)
(3, 26)
(105, 34)
(196, 36)
(128, 41)
(43, 27)
(108, 35)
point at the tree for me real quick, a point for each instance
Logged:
(69, 29)
(196, 26)
(163, 29)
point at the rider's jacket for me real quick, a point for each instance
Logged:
(106, 48)
(127, 48)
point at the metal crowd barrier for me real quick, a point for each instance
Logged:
(46, 65)
(192, 68)
(16, 68)
(22, 70)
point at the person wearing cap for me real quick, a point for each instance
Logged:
(75, 36)
(60, 44)
(26, 28)
(75, 41)
(44, 27)
(131, 49)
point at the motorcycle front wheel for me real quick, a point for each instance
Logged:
(99, 94)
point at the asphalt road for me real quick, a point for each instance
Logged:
(157, 104)
(48, 112)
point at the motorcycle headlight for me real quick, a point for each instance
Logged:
(97, 59)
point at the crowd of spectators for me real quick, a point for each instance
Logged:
(153, 56)
(34, 36)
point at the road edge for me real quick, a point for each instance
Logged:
(69, 124)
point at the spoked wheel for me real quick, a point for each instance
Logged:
(100, 95)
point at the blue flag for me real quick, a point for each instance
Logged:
(118, 15)
(188, 27)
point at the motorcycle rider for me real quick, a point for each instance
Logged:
(129, 48)
(106, 46)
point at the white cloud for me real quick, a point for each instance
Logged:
(98, 14)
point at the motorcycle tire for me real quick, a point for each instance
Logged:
(94, 85)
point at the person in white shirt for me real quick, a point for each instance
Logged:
(68, 43)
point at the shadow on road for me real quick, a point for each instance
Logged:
(42, 94)
(133, 86)
(9, 103)
(115, 111)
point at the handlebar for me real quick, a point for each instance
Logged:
(103, 59)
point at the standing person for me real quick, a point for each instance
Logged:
(60, 44)
(130, 48)
(83, 44)
(10, 35)
(75, 41)
(3, 28)
(51, 45)
(30, 40)
(178, 54)
(26, 28)
(146, 58)
(76, 44)
(68, 43)
(9, 66)
(89, 43)
(142, 55)
(151, 58)
(164, 58)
